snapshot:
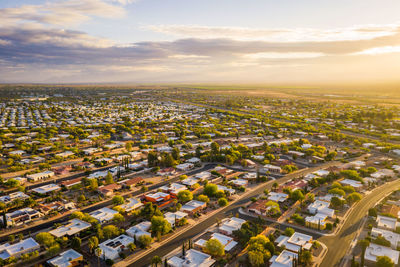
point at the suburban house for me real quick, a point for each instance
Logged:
(374, 250)
(258, 207)
(130, 183)
(284, 259)
(157, 197)
(295, 242)
(13, 196)
(277, 197)
(103, 215)
(131, 204)
(268, 168)
(16, 250)
(112, 247)
(390, 236)
(192, 258)
(173, 188)
(40, 176)
(175, 217)
(227, 241)
(193, 206)
(68, 258)
(108, 190)
(385, 222)
(74, 227)
(21, 216)
(231, 225)
(139, 229)
(70, 183)
(46, 189)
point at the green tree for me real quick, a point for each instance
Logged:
(118, 200)
(363, 244)
(82, 198)
(159, 225)
(93, 184)
(297, 195)
(109, 178)
(289, 231)
(222, 202)
(128, 146)
(214, 248)
(353, 197)
(110, 231)
(145, 240)
(53, 250)
(185, 196)
(76, 243)
(337, 191)
(306, 257)
(210, 189)
(384, 261)
(132, 247)
(118, 218)
(155, 261)
(256, 258)
(203, 198)
(45, 239)
(93, 243)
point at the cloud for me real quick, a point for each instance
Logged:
(288, 55)
(70, 12)
(379, 50)
(124, 2)
(363, 32)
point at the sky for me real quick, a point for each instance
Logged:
(200, 41)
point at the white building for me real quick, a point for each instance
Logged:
(295, 242)
(227, 241)
(385, 222)
(103, 215)
(393, 238)
(319, 206)
(40, 176)
(184, 166)
(45, 189)
(285, 259)
(112, 247)
(231, 225)
(131, 204)
(74, 227)
(174, 217)
(277, 197)
(139, 229)
(374, 250)
(66, 259)
(13, 196)
(270, 168)
(16, 250)
(192, 258)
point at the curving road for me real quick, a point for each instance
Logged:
(339, 244)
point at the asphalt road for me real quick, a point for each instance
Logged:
(339, 244)
(231, 209)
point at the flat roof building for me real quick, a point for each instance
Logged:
(67, 258)
(74, 227)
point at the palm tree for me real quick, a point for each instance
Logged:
(275, 185)
(98, 254)
(364, 244)
(93, 243)
(155, 261)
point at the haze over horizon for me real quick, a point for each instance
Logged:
(122, 41)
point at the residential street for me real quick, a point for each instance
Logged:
(339, 244)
